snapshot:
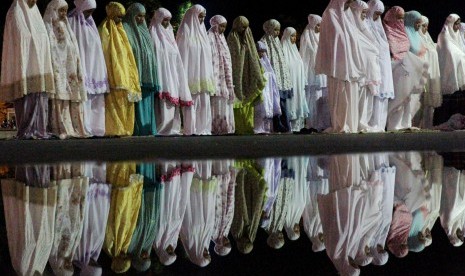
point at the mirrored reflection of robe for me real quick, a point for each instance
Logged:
(176, 183)
(96, 211)
(225, 174)
(274, 224)
(317, 181)
(30, 220)
(248, 205)
(199, 220)
(69, 218)
(452, 212)
(126, 196)
(299, 197)
(387, 175)
(148, 220)
(272, 174)
(433, 170)
(347, 214)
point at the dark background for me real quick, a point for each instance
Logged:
(289, 13)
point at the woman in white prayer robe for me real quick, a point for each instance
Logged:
(196, 54)
(175, 97)
(93, 65)
(433, 97)
(317, 85)
(451, 56)
(409, 71)
(369, 87)
(340, 57)
(30, 205)
(378, 119)
(27, 74)
(296, 106)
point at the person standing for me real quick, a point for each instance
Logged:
(94, 70)
(27, 74)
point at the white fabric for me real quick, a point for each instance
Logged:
(26, 58)
(30, 220)
(433, 89)
(299, 196)
(297, 108)
(203, 114)
(94, 114)
(451, 57)
(199, 220)
(69, 219)
(173, 207)
(343, 101)
(90, 47)
(339, 54)
(196, 53)
(452, 212)
(173, 79)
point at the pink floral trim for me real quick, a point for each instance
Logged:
(188, 169)
(174, 100)
(171, 175)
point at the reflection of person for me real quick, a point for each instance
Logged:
(249, 201)
(27, 75)
(72, 186)
(224, 211)
(96, 211)
(176, 183)
(30, 205)
(199, 220)
(126, 196)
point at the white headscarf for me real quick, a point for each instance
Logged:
(196, 52)
(90, 48)
(275, 53)
(173, 78)
(26, 59)
(308, 48)
(386, 89)
(298, 104)
(65, 55)
(462, 33)
(451, 57)
(222, 64)
(339, 54)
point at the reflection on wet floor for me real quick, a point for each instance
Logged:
(361, 209)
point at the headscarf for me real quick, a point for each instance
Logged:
(276, 56)
(292, 57)
(309, 47)
(222, 66)
(427, 40)
(395, 31)
(339, 54)
(462, 33)
(171, 71)
(142, 48)
(90, 48)
(196, 52)
(248, 77)
(416, 45)
(65, 55)
(451, 57)
(121, 65)
(26, 59)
